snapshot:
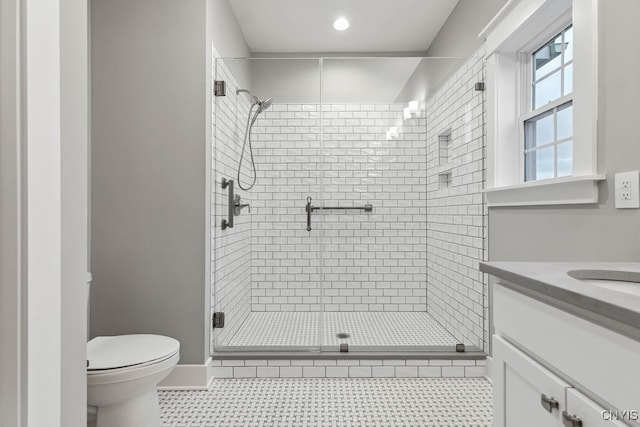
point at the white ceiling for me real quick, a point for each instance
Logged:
(305, 26)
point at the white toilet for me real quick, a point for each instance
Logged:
(122, 375)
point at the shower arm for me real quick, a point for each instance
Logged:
(255, 98)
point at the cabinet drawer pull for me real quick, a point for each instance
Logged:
(571, 420)
(548, 403)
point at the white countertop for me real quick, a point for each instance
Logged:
(552, 279)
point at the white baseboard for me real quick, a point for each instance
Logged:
(189, 377)
(489, 374)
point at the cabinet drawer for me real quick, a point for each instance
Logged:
(590, 413)
(520, 384)
(595, 358)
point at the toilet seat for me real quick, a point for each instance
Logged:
(124, 352)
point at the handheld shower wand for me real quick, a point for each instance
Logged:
(262, 106)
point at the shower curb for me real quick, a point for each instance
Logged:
(349, 365)
(471, 354)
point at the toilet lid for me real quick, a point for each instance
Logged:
(128, 350)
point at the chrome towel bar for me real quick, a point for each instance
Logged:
(366, 208)
(310, 208)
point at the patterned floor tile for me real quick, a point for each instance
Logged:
(385, 329)
(388, 402)
(378, 329)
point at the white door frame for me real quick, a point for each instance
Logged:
(43, 212)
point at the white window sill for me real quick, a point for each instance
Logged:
(558, 191)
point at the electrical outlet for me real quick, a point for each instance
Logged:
(627, 190)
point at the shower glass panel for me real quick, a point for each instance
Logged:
(266, 269)
(374, 265)
(366, 221)
(376, 152)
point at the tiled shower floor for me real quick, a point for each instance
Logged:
(376, 329)
(460, 402)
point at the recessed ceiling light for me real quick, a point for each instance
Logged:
(341, 24)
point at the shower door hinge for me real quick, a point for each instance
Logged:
(218, 320)
(479, 87)
(460, 348)
(219, 88)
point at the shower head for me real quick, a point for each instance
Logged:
(263, 105)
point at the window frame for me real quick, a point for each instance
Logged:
(523, 26)
(526, 110)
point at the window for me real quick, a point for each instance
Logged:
(535, 155)
(547, 151)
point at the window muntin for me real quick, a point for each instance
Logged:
(548, 150)
(552, 69)
(548, 126)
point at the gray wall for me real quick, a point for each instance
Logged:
(458, 37)
(13, 376)
(591, 232)
(151, 133)
(228, 39)
(351, 80)
(284, 80)
(226, 33)
(148, 170)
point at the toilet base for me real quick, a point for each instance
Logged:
(140, 411)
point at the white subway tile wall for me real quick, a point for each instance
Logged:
(231, 248)
(365, 261)
(457, 214)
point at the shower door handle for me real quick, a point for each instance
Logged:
(309, 209)
(228, 223)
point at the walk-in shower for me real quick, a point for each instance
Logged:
(260, 105)
(367, 218)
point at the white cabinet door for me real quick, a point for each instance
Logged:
(525, 393)
(596, 358)
(589, 413)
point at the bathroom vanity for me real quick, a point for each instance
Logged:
(566, 344)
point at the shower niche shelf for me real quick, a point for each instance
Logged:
(444, 159)
(444, 179)
(444, 148)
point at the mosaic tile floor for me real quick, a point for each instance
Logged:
(379, 329)
(345, 402)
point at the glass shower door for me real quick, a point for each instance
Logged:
(266, 269)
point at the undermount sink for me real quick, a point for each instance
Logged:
(621, 281)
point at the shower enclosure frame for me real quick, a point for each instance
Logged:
(318, 205)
